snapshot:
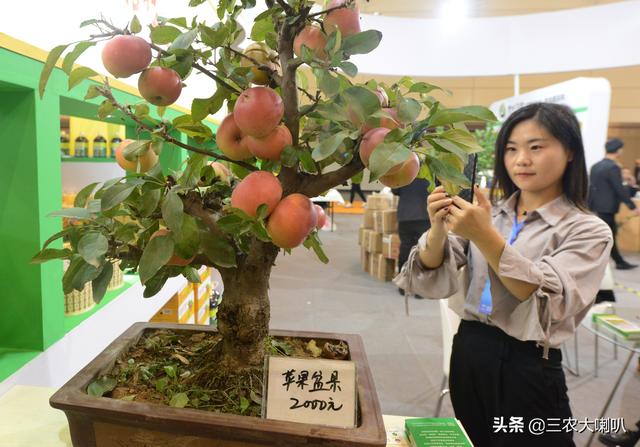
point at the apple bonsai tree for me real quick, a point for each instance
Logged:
(297, 125)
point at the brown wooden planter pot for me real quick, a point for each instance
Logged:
(105, 422)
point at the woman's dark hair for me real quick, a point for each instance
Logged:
(560, 122)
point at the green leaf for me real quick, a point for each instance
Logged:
(92, 246)
(218, 250)
(164, 34)
(102, 386)
(261, 28)
(105, 109)
(191, 274)
(468, 113)
(244, 404)
(447, 172)
(156, 254)
(88, 22)
(156, 283)
(179, 400)
(362, 43)
(184, 40)
(328, 83)
(314, 242)
(329, 145)
(214, 36)
(234, 224)
(464, 139)
(173, 211)
(362, 100)
(52, 58)
(408, 110)
(47, 254)
(201, 108)
(386, 156)
(425, 173)
(423, 87)
(71, 213)
(150, 200)
(170, 370)
(289, 156)
(135, 26)
(306, 160)
(85, 273)
(117, 194)
(101, 283)
(80, 74)
(92, 92)
(141, 111)
(187, 241)
(81, 199)
(136, 149)
(193, 3)
(349, 68)
(58, 235)
(161, 384)
(70, 58)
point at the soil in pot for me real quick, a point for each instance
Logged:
(173, 367)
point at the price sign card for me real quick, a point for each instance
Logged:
(312, 391)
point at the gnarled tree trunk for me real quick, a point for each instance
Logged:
(243, 316)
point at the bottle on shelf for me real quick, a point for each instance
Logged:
(80, 146)
(64, 144)
(115, 141)
(99, 147)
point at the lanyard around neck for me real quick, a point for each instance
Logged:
(515, 229)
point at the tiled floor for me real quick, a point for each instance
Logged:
(405, 352)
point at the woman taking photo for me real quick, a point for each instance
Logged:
(536, 260)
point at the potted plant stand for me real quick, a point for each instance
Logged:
(106, 422)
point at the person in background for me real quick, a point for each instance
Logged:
(606, 192)
(536, 257)
(637, 171)
(413, 220)
(356, 189)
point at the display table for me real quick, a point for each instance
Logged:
(628, 238)
(332, 196)
(27, 420)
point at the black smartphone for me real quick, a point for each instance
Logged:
(470, 171)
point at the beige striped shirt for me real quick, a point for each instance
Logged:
(561, 248)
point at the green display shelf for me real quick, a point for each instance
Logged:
(88, 160)
(72, 321)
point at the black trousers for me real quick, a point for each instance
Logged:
(495, 378)
(409, 232)
(609, 219)
(356, 189)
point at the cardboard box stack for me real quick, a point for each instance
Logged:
(378, 238)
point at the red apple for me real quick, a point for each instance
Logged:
(147, 161)
(258, 111)
(370, 141)
(292, 221)
(123, 56)
(322, 217)
(231, 141)
(160, 86)
(346, 19)
(175, 259)
(271, 146)
(255, 189)
(313, 38)
(404, 175)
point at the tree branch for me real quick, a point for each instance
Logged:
(106, 92)
(285, 7)
(346, 4)
(312, 186)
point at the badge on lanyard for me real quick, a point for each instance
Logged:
(486, 304)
